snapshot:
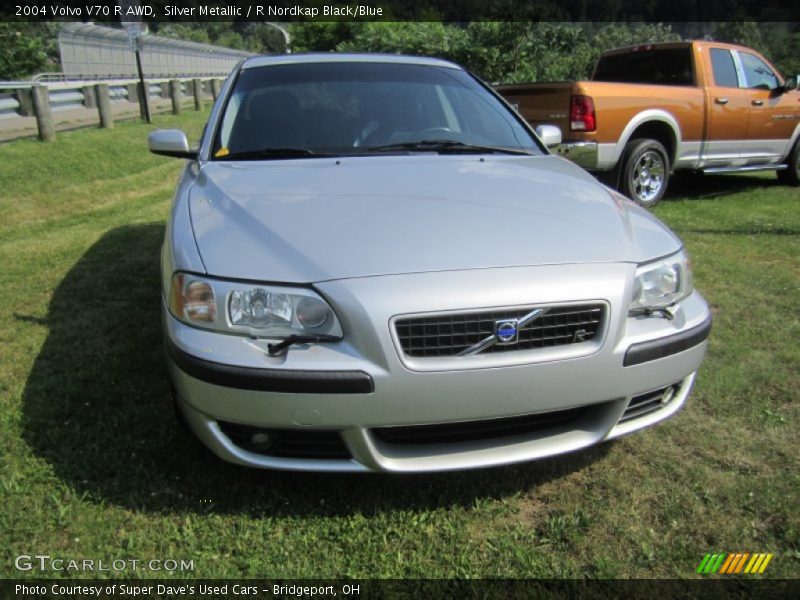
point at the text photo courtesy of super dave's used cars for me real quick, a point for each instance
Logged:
(373, 263)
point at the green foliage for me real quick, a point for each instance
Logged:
(746, 33)
(781, 46)
(497, 51)
(423, 38)
(185, 31)
(27, 48)
(321, 36)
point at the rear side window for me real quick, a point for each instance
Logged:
(724, 69)
(757, 73)
(662, 66)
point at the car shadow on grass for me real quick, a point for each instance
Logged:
(698, 186)
(97, 408)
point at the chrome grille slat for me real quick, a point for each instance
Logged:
(449, 335)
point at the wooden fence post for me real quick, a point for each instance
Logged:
(197, 88)
(44, 116)
(104, 106)
(175, 94)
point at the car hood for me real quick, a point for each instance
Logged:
(308, 220)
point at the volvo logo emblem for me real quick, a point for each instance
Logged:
(506, 331)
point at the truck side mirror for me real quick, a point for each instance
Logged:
(549, 134)
(790, 83)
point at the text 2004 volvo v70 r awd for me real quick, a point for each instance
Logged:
(373, 264)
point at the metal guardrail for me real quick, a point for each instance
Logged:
(21, 99)
(15, 85)
(80, 77)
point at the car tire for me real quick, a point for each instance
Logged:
(645, 172)
(791, 175)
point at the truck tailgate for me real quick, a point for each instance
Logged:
(540, 103)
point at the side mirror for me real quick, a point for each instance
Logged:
(790, 83)
(170, 142)
(549, 134)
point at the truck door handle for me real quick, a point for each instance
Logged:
(758, 103)
(721, 100)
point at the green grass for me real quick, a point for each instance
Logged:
(93, 465)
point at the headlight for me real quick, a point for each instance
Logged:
(661, 283)
(268, 311)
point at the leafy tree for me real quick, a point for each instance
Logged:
(420, 38)
(321, 36)
(190, 32)
(27, 48)
(745, 33)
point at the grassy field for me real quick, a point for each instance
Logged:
(93, 465)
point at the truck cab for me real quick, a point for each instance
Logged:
(652, 109)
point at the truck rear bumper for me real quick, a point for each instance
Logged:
(581, 153)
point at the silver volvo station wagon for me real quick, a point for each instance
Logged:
(372, 263)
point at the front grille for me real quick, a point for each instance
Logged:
(288, 443)
(449, 335)
(644, 404)
(470, 431)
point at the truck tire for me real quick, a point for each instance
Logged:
(645, 172)
(791, 176)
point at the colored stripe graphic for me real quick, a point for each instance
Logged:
(735, 563)
(753, 561)
(765, 563)
(711, 563)
(727, 563)
(740, 564)
(703, 563)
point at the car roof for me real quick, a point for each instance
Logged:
(331, 57)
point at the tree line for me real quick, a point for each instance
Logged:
(504, 52)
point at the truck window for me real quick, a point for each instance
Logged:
(660, 66)
(757, 73)
(724, 69)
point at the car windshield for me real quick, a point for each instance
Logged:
(346, 108)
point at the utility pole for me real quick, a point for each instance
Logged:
(136, 29)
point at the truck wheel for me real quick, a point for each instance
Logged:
(645, 172)
(791, 176)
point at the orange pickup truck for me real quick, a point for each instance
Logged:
(653, 109)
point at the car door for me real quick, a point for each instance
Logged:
(727, 107)
(773, 113)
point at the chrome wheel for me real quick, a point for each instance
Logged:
(647, 177)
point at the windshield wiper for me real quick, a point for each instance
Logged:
(280, 348)
(275, 153)
(445, 146)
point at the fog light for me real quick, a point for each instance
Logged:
(261, 441)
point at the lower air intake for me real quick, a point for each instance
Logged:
(470, 431)
(287, 443)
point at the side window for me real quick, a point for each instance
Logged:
(724, 69)
(757, 73)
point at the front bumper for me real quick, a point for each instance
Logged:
(394, 416)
